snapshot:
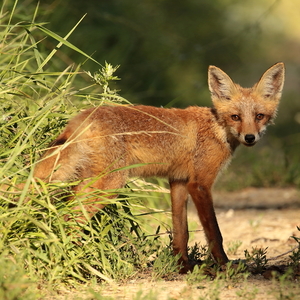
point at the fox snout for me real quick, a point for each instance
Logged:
(250, 140)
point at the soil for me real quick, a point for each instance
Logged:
(261, 218)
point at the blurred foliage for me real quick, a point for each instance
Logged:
(164, 48)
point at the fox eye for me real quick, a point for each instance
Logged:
(235, 117)
(260, 116)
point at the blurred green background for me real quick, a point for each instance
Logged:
(164, 48)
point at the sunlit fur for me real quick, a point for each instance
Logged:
(188, 146)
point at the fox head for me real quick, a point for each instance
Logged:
(245, 112)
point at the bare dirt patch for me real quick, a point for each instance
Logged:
(259, 218)
(262, 218)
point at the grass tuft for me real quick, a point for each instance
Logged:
(35, 104)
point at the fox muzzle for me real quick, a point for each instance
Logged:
(250, 139)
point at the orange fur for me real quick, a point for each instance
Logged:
(188, 146)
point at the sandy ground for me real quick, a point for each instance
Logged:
(262, 218)
(259, 218)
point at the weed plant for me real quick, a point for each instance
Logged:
(295, 256)
(257, 258)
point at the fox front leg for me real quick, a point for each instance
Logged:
(202, 199)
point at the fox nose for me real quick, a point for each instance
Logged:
(249, 138)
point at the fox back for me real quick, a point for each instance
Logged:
(103, 146)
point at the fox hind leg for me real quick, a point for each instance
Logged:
(76, 161)
(93, 194)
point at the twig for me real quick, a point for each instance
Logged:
(170, 232)
(285, 253)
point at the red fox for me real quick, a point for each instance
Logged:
(188, 146)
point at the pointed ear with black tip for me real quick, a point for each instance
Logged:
(271, 83)
(220, 84)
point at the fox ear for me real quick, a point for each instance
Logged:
(220, 84)
(271, 83)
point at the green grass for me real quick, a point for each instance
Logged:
(35, 104)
